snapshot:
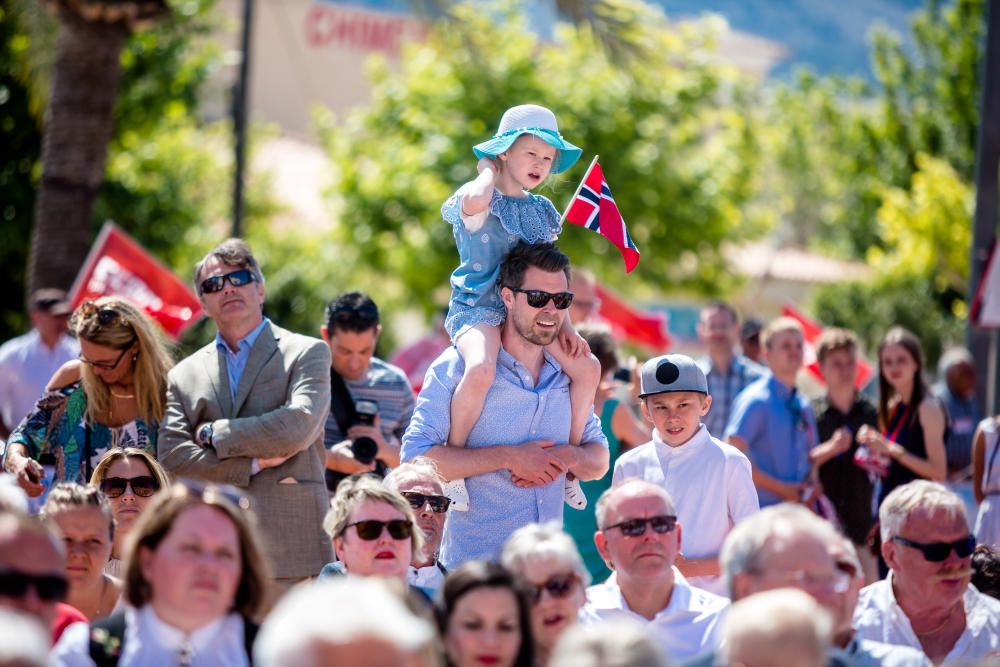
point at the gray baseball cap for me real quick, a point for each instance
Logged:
(671, 372)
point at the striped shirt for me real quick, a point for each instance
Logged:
(386, 385)
(724, 388)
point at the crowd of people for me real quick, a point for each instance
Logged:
(279, 499)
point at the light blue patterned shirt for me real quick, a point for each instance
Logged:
(236, 362)
(516, 410)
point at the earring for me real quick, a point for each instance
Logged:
(134, 357)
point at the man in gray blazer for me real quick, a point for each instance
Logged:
(248, 409)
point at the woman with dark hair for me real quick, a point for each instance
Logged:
(196, 581)
(912, 420)
(113, 396)
(128, 478)
(483, 617)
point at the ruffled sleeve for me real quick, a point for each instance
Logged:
(532, 218)
(451, 209)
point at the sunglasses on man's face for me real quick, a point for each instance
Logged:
(106, 365)
(559, 586)
(439, 504)
(937, 552)
(537, 298)
(143, 486)
(399, 529)
(637, 527)
(48, 587)
(236, 279)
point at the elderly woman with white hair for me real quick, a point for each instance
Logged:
(927, 602)
(546, 559)
(621, 643)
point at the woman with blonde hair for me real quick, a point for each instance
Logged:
(196, 582)
(113, 396)
(128, 478)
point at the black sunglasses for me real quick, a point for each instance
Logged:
(936, 552)
(559, 586)
(439, 504)
(143, 486)
(107, 365)
(537, 298)
(636, 527)
(49, 587)
(236, 279)
(399, 529)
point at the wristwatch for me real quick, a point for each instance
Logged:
(206, 435)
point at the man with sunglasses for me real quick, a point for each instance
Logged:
(248, 409)
(640, 538)
(419, 483)
(516, 456)
(927, 602)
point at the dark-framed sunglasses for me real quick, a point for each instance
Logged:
(107, 365)
(559, 586)
(936, 552)
(371, 529)
(637, 527)
(143, 486)
(235, 278)
(537, 298)
(439, 504)
(105, 314)
(49, 587)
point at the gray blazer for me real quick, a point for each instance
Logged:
(280, 409)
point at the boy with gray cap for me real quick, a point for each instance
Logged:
(709, 480)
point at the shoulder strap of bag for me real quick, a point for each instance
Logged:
(249, 635)
(341, 402)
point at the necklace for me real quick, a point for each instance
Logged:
(122, 395)
(940, 627)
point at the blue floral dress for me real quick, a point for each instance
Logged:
(56, 432)
(475, 295)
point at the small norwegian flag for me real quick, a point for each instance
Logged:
(593, 207)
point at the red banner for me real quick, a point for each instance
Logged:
(118, 266)
(632, 325)
(812, 330)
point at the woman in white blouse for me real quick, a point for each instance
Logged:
(195, 582)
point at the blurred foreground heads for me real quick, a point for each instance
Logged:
(781, 627)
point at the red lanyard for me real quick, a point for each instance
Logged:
(899, 426)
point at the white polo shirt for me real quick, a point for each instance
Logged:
(879, 617)
(26, 366)
(691, 624)
(711, 486)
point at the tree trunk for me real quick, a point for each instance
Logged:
(78, 126)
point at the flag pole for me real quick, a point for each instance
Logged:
(578, 188)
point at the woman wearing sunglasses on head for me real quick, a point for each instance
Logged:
(113, 396)
(82, 516)
(128, 478)
(548, 563)
(196, 582)
(372, 529)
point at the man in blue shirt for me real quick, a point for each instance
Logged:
(773, 423)
(516, 456)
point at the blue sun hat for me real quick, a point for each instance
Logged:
(529, 119)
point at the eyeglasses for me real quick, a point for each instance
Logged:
(837, 581)
(439, 504)
(636, 527)
(236, 279)
(399, 529)
(143, 486)
(537, 298)
(936, 552)
(49, 587)
(107, 365)
(559, 586)
(210, 493)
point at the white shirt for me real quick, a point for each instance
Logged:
(149, 642)
(430, 577)
(26, 366)
(711, 486)
(878, 616)
(690, 624)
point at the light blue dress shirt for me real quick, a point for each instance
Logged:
(516, 410)
(236, 362)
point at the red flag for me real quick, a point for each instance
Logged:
(635, 326)
(117, 265)
(812, 330)
(593, 207)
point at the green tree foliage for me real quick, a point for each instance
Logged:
(673, 132)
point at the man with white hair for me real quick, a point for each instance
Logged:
(639, 537)
(348, 621)
(784, 627)
(419, 482)
(927, 602)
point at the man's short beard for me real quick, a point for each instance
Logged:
(533, 336)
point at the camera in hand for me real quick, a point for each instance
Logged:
(364, 448)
